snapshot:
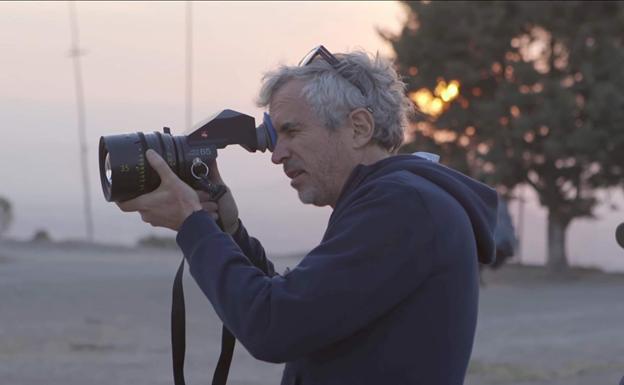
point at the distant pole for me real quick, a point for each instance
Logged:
(75, 54)
(520, 224)
(189, 65)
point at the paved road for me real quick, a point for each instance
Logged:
(101, 317)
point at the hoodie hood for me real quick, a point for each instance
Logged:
(478, 200)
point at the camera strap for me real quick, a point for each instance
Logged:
(178, 337)
(178, 327)
(178, 316)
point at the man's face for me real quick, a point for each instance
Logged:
(318, 161)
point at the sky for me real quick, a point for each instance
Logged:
(134, 80)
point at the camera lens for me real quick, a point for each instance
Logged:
(124, 170)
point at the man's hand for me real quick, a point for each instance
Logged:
(225, 208)
(170, 204)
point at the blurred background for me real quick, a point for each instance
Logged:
(524, 96)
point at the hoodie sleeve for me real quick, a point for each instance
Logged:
(374, 254)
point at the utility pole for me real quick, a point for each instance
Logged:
(75, 54)
(189, 65)
(520, 222)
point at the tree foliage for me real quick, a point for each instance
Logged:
(541, 97)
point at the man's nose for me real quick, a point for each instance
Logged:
(280, 152)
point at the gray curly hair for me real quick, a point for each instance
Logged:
(332, 96)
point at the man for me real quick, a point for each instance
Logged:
(390, 294)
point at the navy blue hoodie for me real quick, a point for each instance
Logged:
(389, 296)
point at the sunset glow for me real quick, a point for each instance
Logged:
(434, 103)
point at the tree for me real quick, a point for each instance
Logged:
(6, 215)
(536, 99)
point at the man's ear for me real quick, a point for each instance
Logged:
(363, 126)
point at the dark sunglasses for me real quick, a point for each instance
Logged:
(331, 60)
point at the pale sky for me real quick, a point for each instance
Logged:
(134, 79)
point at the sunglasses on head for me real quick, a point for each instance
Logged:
(332, 61)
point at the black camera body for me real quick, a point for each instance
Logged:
(126, 174)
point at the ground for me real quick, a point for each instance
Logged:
(72, 314)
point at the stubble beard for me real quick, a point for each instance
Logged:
(315, 194)
(307, 195)
(319, 192)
